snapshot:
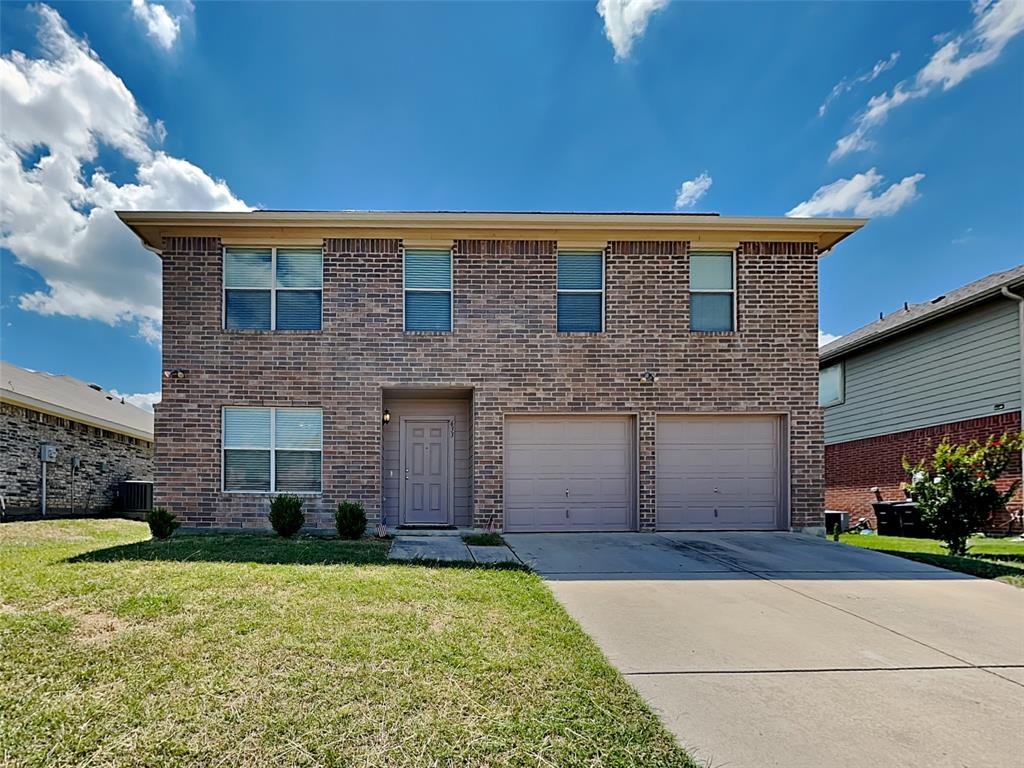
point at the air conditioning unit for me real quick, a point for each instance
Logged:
(832, 519)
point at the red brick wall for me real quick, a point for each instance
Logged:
(853, 468)
(504, 345)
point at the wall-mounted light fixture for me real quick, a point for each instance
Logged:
(648, 377)
(176, 373)
(387, 416)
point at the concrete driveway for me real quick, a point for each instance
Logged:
(777, 649)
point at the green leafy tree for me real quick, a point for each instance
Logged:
(955, 489)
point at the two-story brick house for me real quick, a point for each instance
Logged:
(535, 372)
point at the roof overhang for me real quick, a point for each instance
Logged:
(311, 227)
(33, 404)
(828, 357)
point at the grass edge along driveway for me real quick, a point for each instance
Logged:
(998, 559)
(250, 650)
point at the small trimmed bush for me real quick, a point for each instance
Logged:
(162, 523)
(350, 520)
(286, 515)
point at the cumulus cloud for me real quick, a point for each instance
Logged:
(625, 22)
(693, 190)
(857, 195)
(826, 338)
(161, 25)
(996, 22)
(848, 84)
(143, 400)
(57, 215)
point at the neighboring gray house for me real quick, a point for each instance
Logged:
(94, 439)
(946, 367)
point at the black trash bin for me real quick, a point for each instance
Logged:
(899, 518)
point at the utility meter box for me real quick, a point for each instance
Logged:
(48, 452)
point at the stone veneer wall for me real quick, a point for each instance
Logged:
(107, 458)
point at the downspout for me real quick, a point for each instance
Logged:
(1020, 352)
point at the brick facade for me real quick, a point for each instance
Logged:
(107, 458)
(853, 468)
(504, 346)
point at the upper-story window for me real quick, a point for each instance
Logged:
(831, 385)
(273, 289)
(428, 291)
(712, 292)
(580, 292)
(272, 450)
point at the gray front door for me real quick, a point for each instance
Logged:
(425, 490)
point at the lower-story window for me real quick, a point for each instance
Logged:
(272, 450)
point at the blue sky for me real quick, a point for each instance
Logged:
(497, 106)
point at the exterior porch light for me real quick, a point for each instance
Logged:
(387, 416)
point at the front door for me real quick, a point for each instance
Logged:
(425, 490)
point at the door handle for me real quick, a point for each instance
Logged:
(567, 493)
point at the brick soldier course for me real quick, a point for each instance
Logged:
(503, 345)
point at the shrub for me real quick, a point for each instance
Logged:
(161, 522)
(286, 515)
(955, 489)
(350, 519)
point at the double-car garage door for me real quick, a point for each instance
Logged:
(578, 473)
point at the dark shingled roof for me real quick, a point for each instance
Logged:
(917, 314)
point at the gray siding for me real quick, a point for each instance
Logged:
(954, 369)
(391, 460)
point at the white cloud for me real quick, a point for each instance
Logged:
(143, 400)
(996, 22)
(693, 190)
(857, 196)
(163, 27)
(59, 220)
(847, 84)
(826, 338)
(625, 21)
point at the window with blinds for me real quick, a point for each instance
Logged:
(273, 450)
(273, 289)
(428, 291)
(712, 292)
(580, 292)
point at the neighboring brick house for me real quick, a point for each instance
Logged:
(99, 441)
(949, 367)
(531, 372)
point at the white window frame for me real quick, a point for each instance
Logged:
(273, 449)
(841, 365)
(450, 289)
(604, 258)
(274, 288)
(732, 291)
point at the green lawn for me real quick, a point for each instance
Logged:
(254, 651)
(999, 559)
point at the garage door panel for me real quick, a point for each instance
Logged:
(737, 455)
(591, 457)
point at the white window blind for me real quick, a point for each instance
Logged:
(273, 450)
(273, 289)
(712, 292)
(428, 291)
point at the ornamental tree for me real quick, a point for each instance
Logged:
(955, 489)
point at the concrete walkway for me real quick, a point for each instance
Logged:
(445, 546)
(776, 649)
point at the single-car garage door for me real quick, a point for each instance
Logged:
(569, 473)
(718, 472)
